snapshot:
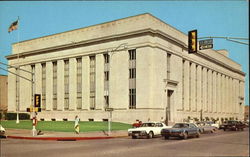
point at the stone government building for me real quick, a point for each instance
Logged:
(138, 65)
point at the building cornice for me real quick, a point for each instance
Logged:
(101, 40)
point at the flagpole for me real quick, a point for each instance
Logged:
(18, 103)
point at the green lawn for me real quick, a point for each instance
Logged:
(65, 126)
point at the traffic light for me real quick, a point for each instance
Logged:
(192, 41)
(37, 100)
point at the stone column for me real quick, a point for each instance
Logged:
(85, 83)
(204, 90)
(25, 89)
(12, 90)
(209, 93)
(49, 86)
(199, 88)
(72, 84)
(223, 96)
(99, 81)
(218, 93)
(186, 85)
(193, 87)
(214, 98)
(60, 85)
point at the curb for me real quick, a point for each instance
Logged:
(63, 138)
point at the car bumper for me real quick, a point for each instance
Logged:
(137, 134)
(172, 134)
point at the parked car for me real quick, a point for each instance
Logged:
(233, 125)
(2, 131)
(149, 129)
(181, 130)
(214, 124)
(206, 127)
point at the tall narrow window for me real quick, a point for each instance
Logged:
(32, 94)
(132, 98)
(92, 82)
(106, 79)
(168, 66)
(66, 84)
(43, 86)
(106, 58)
(79, 83)
(132, 79)
(54, 85)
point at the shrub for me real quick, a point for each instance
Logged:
(22, 116)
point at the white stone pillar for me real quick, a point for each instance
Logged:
(186, 85)
(214, 98)
(99, 82)
(25, 89)
(72, 84)
(223, 94)
(199, 89)
(219, 93)
(204, 90)
(227, 94)
(85, 83)
(193, 87)
(209, 93)
(38, 78)
(60, 85)
(12, 90)
(49, 86)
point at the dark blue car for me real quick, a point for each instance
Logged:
(181, 130)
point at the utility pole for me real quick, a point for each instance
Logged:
(110, 53)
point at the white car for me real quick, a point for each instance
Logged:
(148, 129)
(2, 131)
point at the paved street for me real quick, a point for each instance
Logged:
(229, 143)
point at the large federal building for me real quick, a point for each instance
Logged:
(139, 66)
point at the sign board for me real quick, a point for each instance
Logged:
(206, 44)
(109, 109)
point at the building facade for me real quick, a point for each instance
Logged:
(3, 93)
(139, 66)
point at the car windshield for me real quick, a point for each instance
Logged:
(148, 125)
(180, 125)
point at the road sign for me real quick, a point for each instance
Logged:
(206, 44)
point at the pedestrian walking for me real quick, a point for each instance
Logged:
(77, 127)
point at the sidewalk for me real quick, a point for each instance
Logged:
(63, 136)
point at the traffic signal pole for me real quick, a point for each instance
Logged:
(232, 39)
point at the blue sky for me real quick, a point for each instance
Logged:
(210, 18)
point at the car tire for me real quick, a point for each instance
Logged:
(212, 131)
(166, 137)
(185, 135)
(198, 135)
(134, 137)
(150, 134)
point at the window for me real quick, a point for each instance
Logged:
(106, 75)
(43, 86)
(79, 83)
(168, 65)
(54, 85)
(92, 82)
(106, 98)
(106, 58)
(132, 73)
(132, 98)
(132, 54)
(66, 84)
